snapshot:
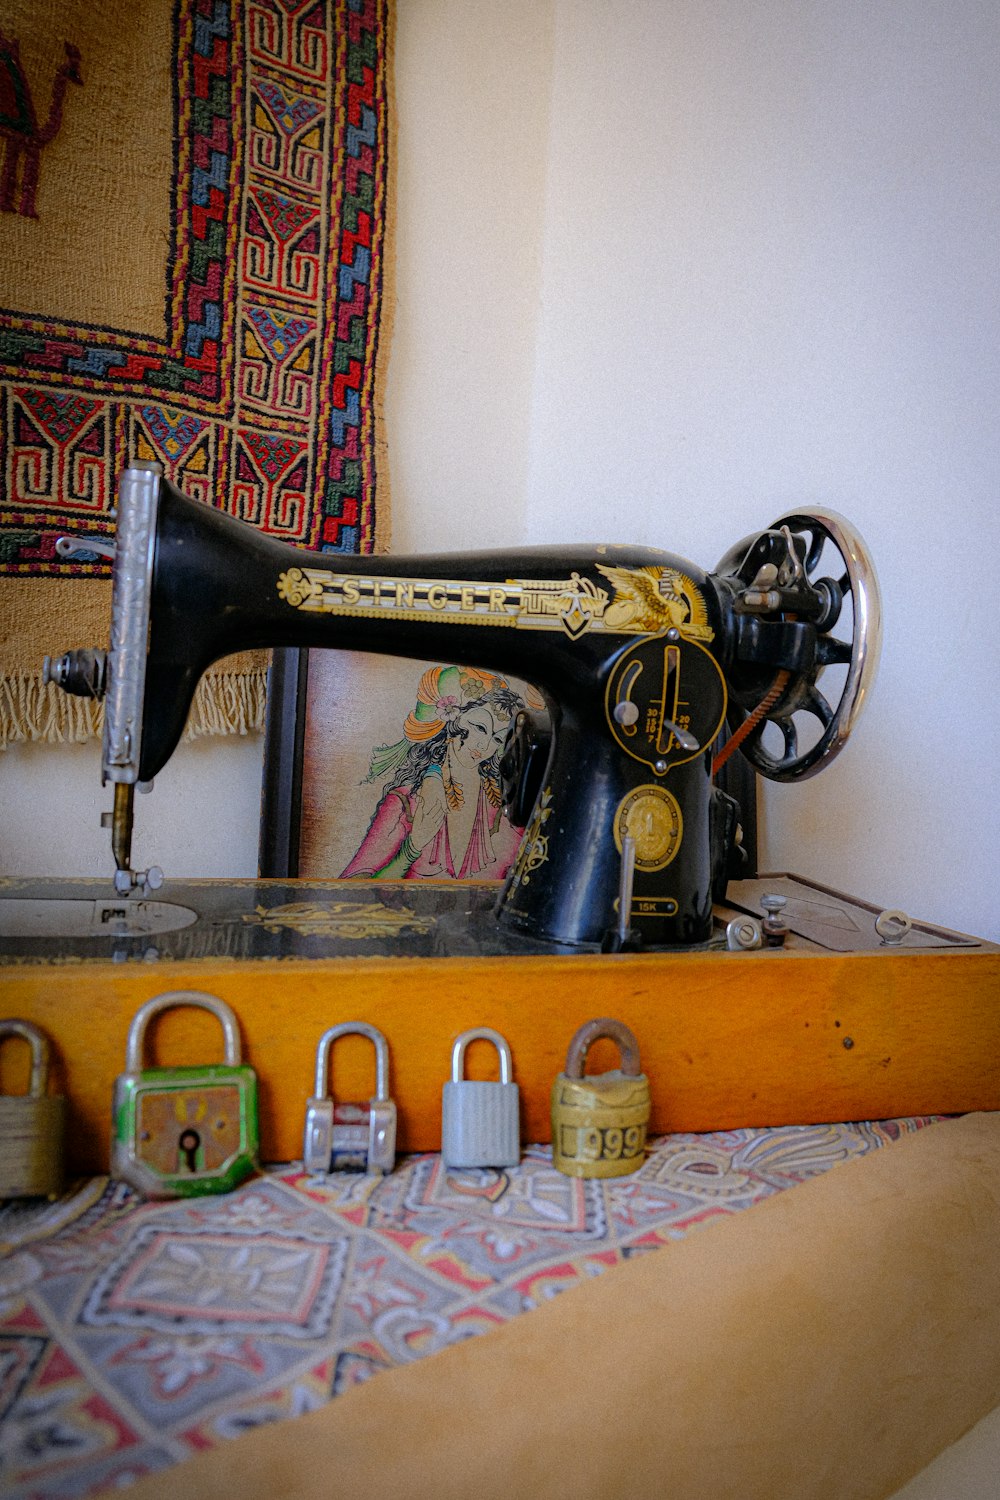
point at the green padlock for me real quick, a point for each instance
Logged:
(180, 1132)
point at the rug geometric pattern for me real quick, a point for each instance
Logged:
(134, 1334)
(259, 398)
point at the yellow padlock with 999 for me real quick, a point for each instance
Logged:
(599, 1121)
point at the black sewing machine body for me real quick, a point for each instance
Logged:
(639, 655)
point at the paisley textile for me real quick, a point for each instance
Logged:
(133, 1334)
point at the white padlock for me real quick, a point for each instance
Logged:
(480, 1120)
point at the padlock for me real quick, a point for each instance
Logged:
(480, 1120)
(32, 1126)
(179, 1132)
(599, 1122)
(350, 1137)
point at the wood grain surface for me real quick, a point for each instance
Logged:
(727, 1040)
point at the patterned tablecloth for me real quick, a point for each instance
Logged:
(135, 1334)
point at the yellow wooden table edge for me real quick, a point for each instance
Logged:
(727, 1040)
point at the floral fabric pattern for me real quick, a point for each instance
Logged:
(135, 1334)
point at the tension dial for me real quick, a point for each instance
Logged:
(666, 700)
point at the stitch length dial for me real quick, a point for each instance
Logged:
(666, 700)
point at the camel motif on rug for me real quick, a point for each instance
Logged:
(22, 136)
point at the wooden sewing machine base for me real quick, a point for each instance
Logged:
(833, 1026)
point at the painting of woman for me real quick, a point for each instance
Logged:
(439, 815)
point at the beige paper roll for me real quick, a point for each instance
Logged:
(823, 1345)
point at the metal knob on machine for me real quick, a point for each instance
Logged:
(82, 673)
(743, 934)
(774, 927)
(892, 926)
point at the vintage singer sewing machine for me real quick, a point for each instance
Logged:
(640, 657)
(645, 664)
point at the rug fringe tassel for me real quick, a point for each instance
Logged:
(32, 710)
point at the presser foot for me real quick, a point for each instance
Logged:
(128, 882)
(138, 882)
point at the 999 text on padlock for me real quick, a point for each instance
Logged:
(32, 1125)
(350, 1137)
(480, 1120)
(180, 1132)
(599, 1122)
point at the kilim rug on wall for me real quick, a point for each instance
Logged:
(193, 245)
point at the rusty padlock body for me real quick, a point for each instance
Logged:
(183, 1132)
(343, 1137)
(599, 1122)
(32, 1125)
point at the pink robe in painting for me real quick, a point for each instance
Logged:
(492, 844)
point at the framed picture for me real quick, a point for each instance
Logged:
(381, 767)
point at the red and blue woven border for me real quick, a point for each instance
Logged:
(261, 400)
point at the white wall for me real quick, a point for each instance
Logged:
(664, 270)
(200, 820)
(770, 279)
(473, 83)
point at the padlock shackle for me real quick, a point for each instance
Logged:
(352, 1028)
(170, 1000)
(615, 1031)
(486, 1034)
(39, 1044)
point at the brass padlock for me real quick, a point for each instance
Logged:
(178, 1132)
(599, 1122)
(350, 1137)
(32, 1126)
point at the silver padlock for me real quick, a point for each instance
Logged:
(350, 1137)
(32, 1126)
(480, 1124)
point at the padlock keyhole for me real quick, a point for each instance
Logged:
(187, 1144)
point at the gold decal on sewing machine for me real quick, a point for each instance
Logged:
(573, 605)
(295, 588)
(652, 816)
(654, 906)
(340, 919)
(650, 600)
(534, 850)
